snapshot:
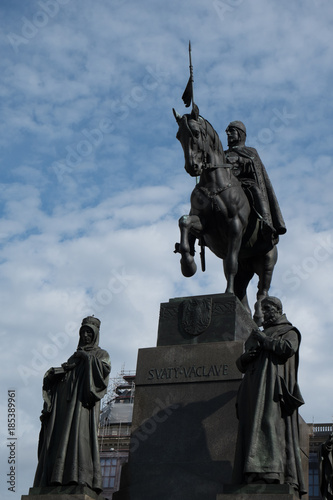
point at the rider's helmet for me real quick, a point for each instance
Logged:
(238, 125)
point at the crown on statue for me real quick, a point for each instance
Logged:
(91, 321)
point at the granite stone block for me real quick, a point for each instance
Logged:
(69, 492)
(201, 319)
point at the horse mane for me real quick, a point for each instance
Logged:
(209, 131)
(214, 137)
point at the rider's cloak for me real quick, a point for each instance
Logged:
(260, 176)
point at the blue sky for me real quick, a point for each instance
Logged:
(92, 180)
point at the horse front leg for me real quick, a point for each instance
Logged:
(186, 245)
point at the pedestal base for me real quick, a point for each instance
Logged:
(184, 426)
(258, 492)
(57, 497)
(258, 496)
(70, 492)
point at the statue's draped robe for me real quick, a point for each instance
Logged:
(267, 403)
(68, 446)
(256, 171)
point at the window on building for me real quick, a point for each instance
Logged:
(108, 469)
(313, 476)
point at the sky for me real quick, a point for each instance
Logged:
(92, 181)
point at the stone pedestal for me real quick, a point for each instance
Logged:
(202, 319)
(76, 496)
(184, 425)
(71, 492)
(259, 492)
(259, 496)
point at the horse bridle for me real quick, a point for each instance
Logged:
(209, 166)
(204, 134)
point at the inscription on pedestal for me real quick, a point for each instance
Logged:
(188, 363)
(182, 373)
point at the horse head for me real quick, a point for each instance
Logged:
(201, 144)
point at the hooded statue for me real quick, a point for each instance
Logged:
(68, 447)
(268, 449)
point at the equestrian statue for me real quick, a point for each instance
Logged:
(234, 210)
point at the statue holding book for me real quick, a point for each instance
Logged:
(68, 447)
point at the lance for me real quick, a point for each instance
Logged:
(188, 92)
(188, 98)
(191, 70)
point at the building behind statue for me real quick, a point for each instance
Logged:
(115, 429)
(319, 433)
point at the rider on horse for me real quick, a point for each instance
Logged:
(250, 171)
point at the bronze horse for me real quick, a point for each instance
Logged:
(221, 217)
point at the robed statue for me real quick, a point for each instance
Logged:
(268, 449)
(68, 447)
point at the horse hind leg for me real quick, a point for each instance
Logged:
(242, 279)
(264, 270)
(230, 264)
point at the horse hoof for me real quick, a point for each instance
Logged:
(258, 320)
(188, 270)
(258, 317)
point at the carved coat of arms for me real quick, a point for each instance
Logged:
(196, 315)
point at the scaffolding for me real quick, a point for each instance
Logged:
(116, 413)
